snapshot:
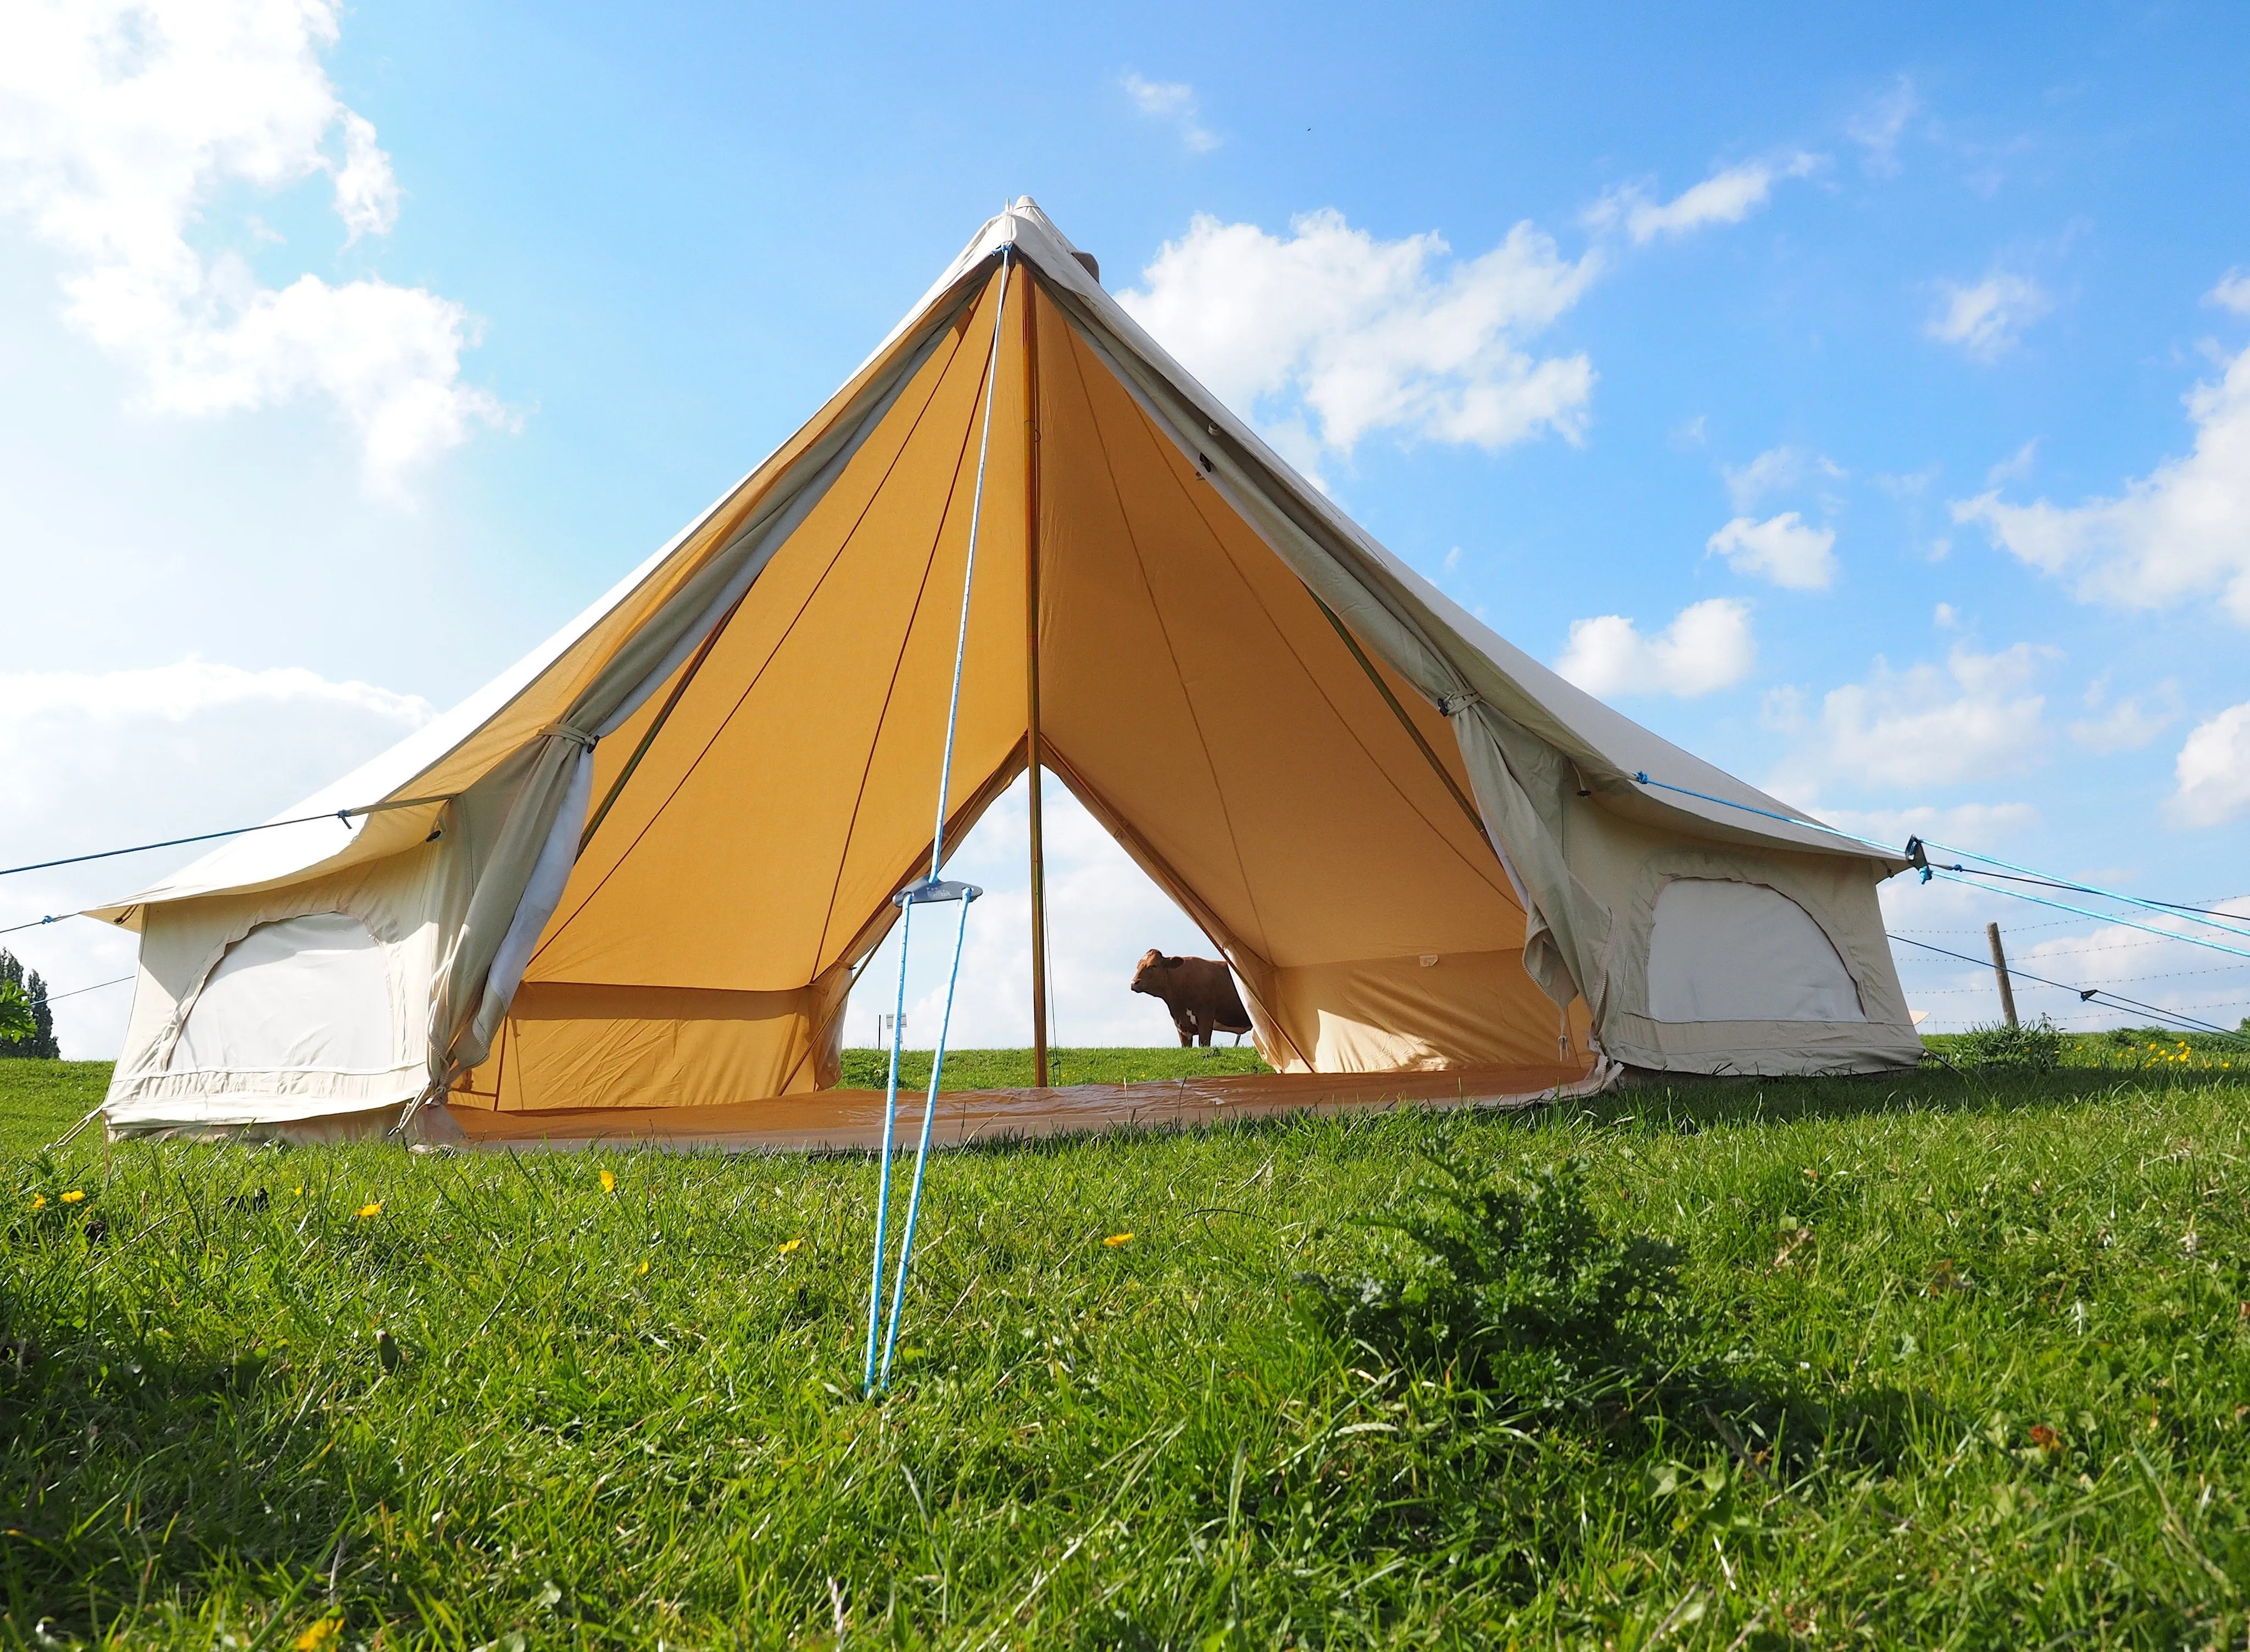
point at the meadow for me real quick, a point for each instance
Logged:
(1957, 1358)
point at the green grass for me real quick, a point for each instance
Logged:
(1002, 1070)
(1998, 1325)
(40, 1100)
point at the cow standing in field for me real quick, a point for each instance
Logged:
(1199, 991)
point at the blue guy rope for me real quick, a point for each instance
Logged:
(2164, 908)
(1787, 819)
(2087, 912)
(883, 1174)
(969, 892)
(930, 889)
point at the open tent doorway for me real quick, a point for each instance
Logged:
(627, 888)
(1102, 913)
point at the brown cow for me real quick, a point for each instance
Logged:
(1199, 991)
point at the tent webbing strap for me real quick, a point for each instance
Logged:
(1405, 722)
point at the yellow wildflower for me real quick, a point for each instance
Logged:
(318, 1634)
(373, 1207)
(38, 1201)
(1116, 1240)
(644, 1268)
(75, 1196)
(792, 1246)
(609, 1181)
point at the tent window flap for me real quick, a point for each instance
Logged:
(309, 993)
(1722, 950)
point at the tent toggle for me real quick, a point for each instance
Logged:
(930, 889)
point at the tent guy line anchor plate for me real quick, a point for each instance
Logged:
(931, 890)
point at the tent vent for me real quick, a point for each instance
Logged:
(1090, 264)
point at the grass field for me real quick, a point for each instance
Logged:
(1953, 1359)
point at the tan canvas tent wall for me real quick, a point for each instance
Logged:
(637, 871)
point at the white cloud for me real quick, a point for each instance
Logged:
(2179, 533)
(1175, 101)
(1782, 549)
(2233, 292)
(1329, 333)
(1725, 197)
(1978, 825)
(98, 760)
(1774, 471)
(1878, 127)
(1777, 467)
(1974, 718)
(1708, 645)
(1987, 319)
(1944, 618)
(2014, 468)
(2129, 725)
(2213, 772)
(121, 123)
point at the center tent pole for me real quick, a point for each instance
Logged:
(1031, 683)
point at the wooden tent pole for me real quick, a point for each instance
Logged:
(1031, 680)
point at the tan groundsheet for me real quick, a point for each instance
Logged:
(852, 1120)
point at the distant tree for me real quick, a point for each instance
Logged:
(16, 1022)
(27, 1024)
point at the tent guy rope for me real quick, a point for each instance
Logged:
(932, 888)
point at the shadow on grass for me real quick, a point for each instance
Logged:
(1679, 1109)
(1686, 1109)
(136, 1478)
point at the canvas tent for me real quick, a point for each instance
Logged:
(632, 878)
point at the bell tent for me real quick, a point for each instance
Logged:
(624, 889)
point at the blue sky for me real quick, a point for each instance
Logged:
(1859, 397)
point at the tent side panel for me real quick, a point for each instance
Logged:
(1629, 863)
(297, 1037)
(1426, 1013)
(570, 1044)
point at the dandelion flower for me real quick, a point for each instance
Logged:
(75, 1196)
(1116, 1240)
(38, 1201)
(644, 1268)
(792, 1246)
(373, 1207)
(318, 1636)
(609, 1181)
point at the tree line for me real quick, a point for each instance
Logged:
(27, 1024)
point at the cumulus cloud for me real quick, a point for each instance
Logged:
(1175, 101)
(1329, 333)
(121, 122)
(1987, 319)
(1782, 549)
(2212, 771)
(1976, 717)
(2233, 292)
(2180, 533)
(1725, 197)
(97, 760)
(1707, 645)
